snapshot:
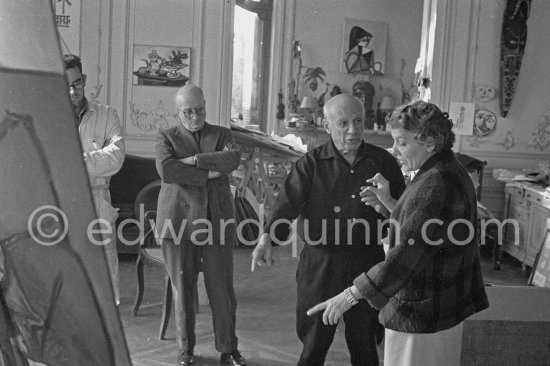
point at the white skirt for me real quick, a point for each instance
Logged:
(423, 349)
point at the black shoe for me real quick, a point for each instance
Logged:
(186, 358)
(233, 359)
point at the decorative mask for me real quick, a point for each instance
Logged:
(485, 93)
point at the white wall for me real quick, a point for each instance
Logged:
(319, 26)
(468, 54)
(531, 100)
(467, 46)
(109, 31)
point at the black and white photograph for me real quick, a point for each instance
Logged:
(274, 183)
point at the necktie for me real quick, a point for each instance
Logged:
(197, 137)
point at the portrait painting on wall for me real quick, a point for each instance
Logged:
(485, 122)
(364, 47)
(161, 66)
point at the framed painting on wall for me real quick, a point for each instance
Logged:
(161, 65)
(364, 47)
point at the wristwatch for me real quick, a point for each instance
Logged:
(349, 296)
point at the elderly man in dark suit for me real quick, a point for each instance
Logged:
(194, 207)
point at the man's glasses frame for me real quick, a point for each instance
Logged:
(190, 112)
(77, 85)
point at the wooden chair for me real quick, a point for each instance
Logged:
(473, 166)
(476, 167)
(136, 173)
(150, 253)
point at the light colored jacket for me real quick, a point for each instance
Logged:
(101, 139)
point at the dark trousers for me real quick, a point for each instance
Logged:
(183, 263)
(322, 274)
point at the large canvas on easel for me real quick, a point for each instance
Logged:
(56, 300)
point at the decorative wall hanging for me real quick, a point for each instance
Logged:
(484, 93)
(513, 40)
(364, 47)
(462, 115)
(485, 122)
(147, 122)
(541, 137)
(508, 140)
(161, 66)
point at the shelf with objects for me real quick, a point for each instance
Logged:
(313, 136)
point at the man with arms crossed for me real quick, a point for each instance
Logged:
(194, 161)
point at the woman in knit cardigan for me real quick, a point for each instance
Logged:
(431, 279)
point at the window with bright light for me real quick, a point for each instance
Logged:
(251, 42)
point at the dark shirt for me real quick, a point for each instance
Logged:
(323, 186)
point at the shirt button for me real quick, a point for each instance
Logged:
(353, 171)
(354, 219)
(352, 196)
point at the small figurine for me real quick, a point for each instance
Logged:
(335, 91)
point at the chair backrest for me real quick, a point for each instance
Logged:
(473, 165)
(146, 205)
(148, 197)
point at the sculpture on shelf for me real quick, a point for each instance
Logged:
(364, 91)
(293, 84)
(335, 91)
(280, 106)
(321, 99)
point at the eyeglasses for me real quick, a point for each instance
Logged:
(79, 84)
(189, 112)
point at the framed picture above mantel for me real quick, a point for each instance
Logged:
(161, 65)
(157, 72)
(364, 47)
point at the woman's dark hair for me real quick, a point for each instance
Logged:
(356, 34)
(427, 120)
(72, 61)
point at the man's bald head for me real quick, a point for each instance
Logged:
(341, 102)
(190, 103)
(188, 96)
(344, 121)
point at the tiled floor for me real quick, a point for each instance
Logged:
(265, 314)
